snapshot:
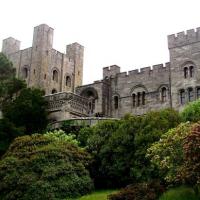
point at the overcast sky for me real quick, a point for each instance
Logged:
(129, 33)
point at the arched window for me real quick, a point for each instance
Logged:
(163, 94)
(190, 94)
(54, 91)
(134, 100)
(25, 72)
(55, 75)
(138, 98)
(182, 96)
(143, 98)
(185, 72)
(68, 81)
(198, 93)
(191, 71)
(116, 102)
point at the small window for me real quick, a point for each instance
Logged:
(45, 76)
(68, 81)
(54, 91)
(182, 96)
(190, 94)
(116, 102)
(34, 71)
(25, 73)
(191, 71)
(55, 75)
(163, 94)
(138, 98)
(134, 100)
(143, 98)
(198, 93)
(185, 72)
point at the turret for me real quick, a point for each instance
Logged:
(110, 71)
(10, 45)
(75, 53)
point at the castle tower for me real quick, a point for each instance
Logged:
(184, 49)
(10, 45)
(41, 55)
(75, 53)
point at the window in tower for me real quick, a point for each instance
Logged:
(191, 71)
(55, 75)
(116, 102)
(68, 81)
(182, 96)
(190, 94)
(185, 72)
(163, 94)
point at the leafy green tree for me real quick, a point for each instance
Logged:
(44, 167)
(191, 112)
(28, 110)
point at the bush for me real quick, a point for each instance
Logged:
(140, 191)
(181, 193)
(167, 153)
(44, 167)
(190, 172)
(191, 112)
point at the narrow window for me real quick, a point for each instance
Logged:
(198, 93)
(68, 81)
(191, 71)
(143, 98)
(182, 97)
(45, 76)
(54, 91)
(116, 102)
(55, 76)
(163, 94)
(185, 72)
(134, 100)
(190, 94)
(25, 72)
(138, 98)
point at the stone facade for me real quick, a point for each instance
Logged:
(44, 67)
(171, 85)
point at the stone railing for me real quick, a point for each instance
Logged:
(69, 101)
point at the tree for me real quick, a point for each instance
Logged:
(44, 167)
(191, 112)
(28, 110)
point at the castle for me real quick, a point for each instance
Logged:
(151, 88)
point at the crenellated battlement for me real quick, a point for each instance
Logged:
(111, 71)
(145, 71)
(184, 38)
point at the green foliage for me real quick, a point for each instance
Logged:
(152, 126)
(8, 131)
(191, 112)
(6, 68)
(181, 193)
(139, 191)
(119, 147)
(28, 110)
(167, 153)
(44, 167)
(190, 172)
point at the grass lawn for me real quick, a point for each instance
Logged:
(181, 193)
(97, 195)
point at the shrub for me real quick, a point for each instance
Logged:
(190, 171)
(191, 112)
(140, 191)
(44, 167)
(167, 153)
